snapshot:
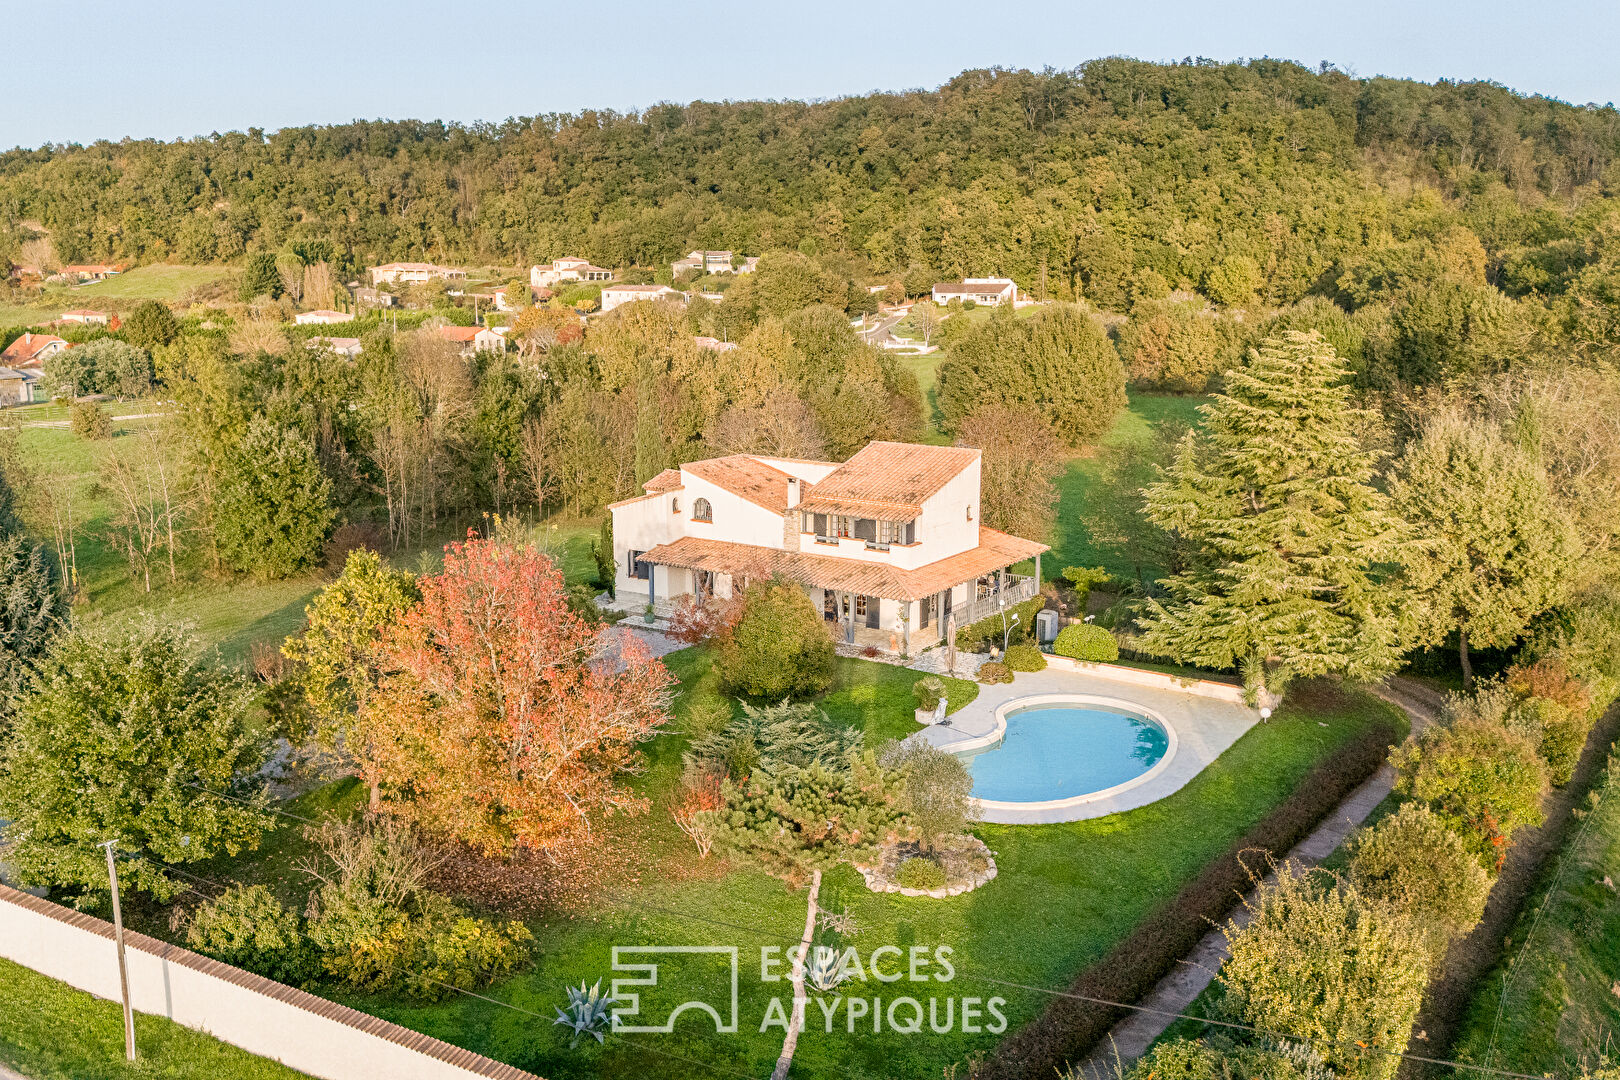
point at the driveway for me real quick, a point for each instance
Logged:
(1205, 727)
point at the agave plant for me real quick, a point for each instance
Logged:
(825, 971)
(587, 1012)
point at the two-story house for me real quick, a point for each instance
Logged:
(887, 545)
(567, 269)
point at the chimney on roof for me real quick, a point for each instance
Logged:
(793, 493)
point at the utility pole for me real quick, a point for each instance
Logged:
(123, 967)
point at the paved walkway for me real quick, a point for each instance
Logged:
(1132, 1036)
(1205, 728)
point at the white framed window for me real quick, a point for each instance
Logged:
(702, 510)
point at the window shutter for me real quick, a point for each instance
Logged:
(911, 532)
(866, 529)
(821, 524)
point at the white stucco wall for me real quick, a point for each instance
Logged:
(297, 1029)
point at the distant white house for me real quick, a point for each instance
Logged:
(368, 296)
(888, 545)
(343, 346)
(85, 317)
(322, 316)
(474, 338)
(504, 303)
(985, 291)
(414, 271)
(615, 295)
(711, 262)
(714, 344)
(567, 269)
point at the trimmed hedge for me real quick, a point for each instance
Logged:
(1083, 641)
(1025, 658)
(1070, 1028)
(979, 636)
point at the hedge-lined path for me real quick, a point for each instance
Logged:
(1132, 1036)
(1471, 958)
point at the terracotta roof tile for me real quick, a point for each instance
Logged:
(747, 477)
(668, 480)
(892, 477)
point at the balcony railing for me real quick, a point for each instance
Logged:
(1017, 590)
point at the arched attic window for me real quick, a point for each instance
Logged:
(702, 511)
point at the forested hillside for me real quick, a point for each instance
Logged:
(1228, 178)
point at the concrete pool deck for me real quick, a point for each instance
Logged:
(1204, 726)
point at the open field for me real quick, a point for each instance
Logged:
(230, 613)
(1065, 895)
(50, 1031)
(156, 282)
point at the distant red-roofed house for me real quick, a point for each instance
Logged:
(473, 338)
(31, 350)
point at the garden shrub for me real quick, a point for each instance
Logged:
(918, 872)
(90, 421)
(450, 946)
(778, 646)
(1415, 864)
(1025, 658)
(938, 792)
(979, 636)
(1083, 641)
(791, 733)
(928, 690)
(1198, 1059)
(248, 927)
(1069, 1028)
(1329, 966)
(1483, 781)
(994, 672)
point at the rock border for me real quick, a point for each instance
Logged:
(880, 884)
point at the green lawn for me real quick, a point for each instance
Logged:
(1562, 1009)
(156, 282)
(1064, 896)
(233, 613)
(50, 1031)
(1072, 544)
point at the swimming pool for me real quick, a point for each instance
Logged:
(1059, 752)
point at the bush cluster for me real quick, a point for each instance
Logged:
(1025, 658)
(919, 872)
(90, 421)
(778, 645)
(979, 636)
(1084, 641)
(994, 672)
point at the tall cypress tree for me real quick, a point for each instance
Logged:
(1273, 498)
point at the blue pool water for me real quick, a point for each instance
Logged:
(1060, 751)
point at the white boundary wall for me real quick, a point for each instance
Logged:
(1157, 680)
(300, 1030)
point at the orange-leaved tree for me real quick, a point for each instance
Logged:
(511, 720)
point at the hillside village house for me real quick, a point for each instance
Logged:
(322, 316)
(614, 295)
(85, 316)
(567, 269)
(366, 296)
(985, 291)
(31, 350)
(343, 346)
(713, 344)
(90, 271)
(712, 262)
(414, 271)
(473, 339)
(887, 545)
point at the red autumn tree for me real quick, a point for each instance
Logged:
(510, 719)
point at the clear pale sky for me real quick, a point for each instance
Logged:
(100, 69)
